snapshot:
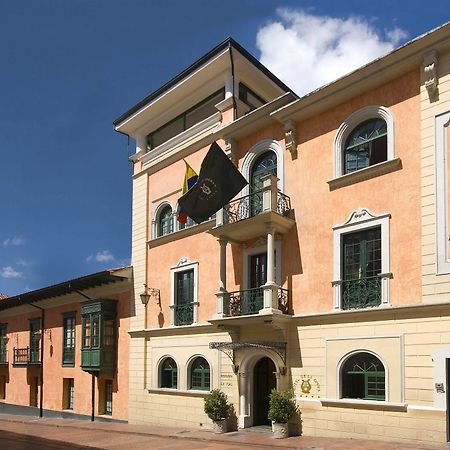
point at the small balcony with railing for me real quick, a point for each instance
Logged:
(26, 356)
(249, 216)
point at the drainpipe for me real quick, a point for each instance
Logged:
(232, 87)
(41, 394)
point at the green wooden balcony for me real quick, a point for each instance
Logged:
(99, 336)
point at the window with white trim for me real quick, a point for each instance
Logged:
(363, 377)
(164, 222)
(442, 123)
(200, 374)
(184, 295)
(168, 374)
(361, 267)
(364, 139)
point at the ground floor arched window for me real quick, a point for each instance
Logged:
(363, 377)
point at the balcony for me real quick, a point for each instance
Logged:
(251, 301)
(250, 216)
(26, 356)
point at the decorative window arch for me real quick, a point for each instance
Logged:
(364, 127)
(363, 376)
(199, 374)
(252, 155)
(168, 373)
(163, 222)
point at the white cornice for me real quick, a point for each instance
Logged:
(374, 74)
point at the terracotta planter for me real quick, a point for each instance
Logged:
(280, 430)
(220, 426)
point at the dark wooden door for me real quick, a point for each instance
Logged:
(263, 382)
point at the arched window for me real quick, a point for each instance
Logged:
(263, 165)
(200, 374)
(364, 139)
(366, 145)
(168, 374)
(165, 221)
(363, 377)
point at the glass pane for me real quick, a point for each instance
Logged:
(185, 287)
(366, 145)
(109, 332)
(203, 110)
(165, 222)
(87, 331)
(166, 132)
(169, 374)
(95, 330)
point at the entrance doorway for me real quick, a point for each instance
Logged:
(264, 381)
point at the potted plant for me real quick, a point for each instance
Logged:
(282, 408)
(217, 409)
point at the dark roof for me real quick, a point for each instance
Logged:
(226, 43)
(66, 287)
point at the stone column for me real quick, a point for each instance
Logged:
(222, 304)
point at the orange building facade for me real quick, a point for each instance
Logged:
(64, 348)
(328, 273)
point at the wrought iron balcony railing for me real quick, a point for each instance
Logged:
(184, 314)
(251, 301)
(251, 205)
(26, 356)
(361, 293)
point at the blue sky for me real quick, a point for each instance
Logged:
(70, 67)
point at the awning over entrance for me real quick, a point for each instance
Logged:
(278, 348)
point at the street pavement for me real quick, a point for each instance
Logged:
(30, 433)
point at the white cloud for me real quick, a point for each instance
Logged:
(23, 262)
(14, 242)
(9, 272)
(101, 256)
(307, 51)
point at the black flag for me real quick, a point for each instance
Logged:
(218, 182)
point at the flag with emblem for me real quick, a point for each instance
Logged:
(218, 182)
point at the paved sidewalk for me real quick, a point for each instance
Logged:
(75, 434)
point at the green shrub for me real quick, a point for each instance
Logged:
(216, 405)
(281, 406)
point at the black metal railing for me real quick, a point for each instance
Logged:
(283, 204)
(284, 301)
(361, 293)
(246, 302)
(184, 314)
(251, 301)
(251, 205)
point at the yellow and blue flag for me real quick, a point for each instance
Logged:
(190, 178)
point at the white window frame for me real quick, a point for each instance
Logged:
(361, 219)
(442, 123)
(251, 156)
(340, 380)
(184, 264)
(350, 123)
(189, 363)
(158, 377)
